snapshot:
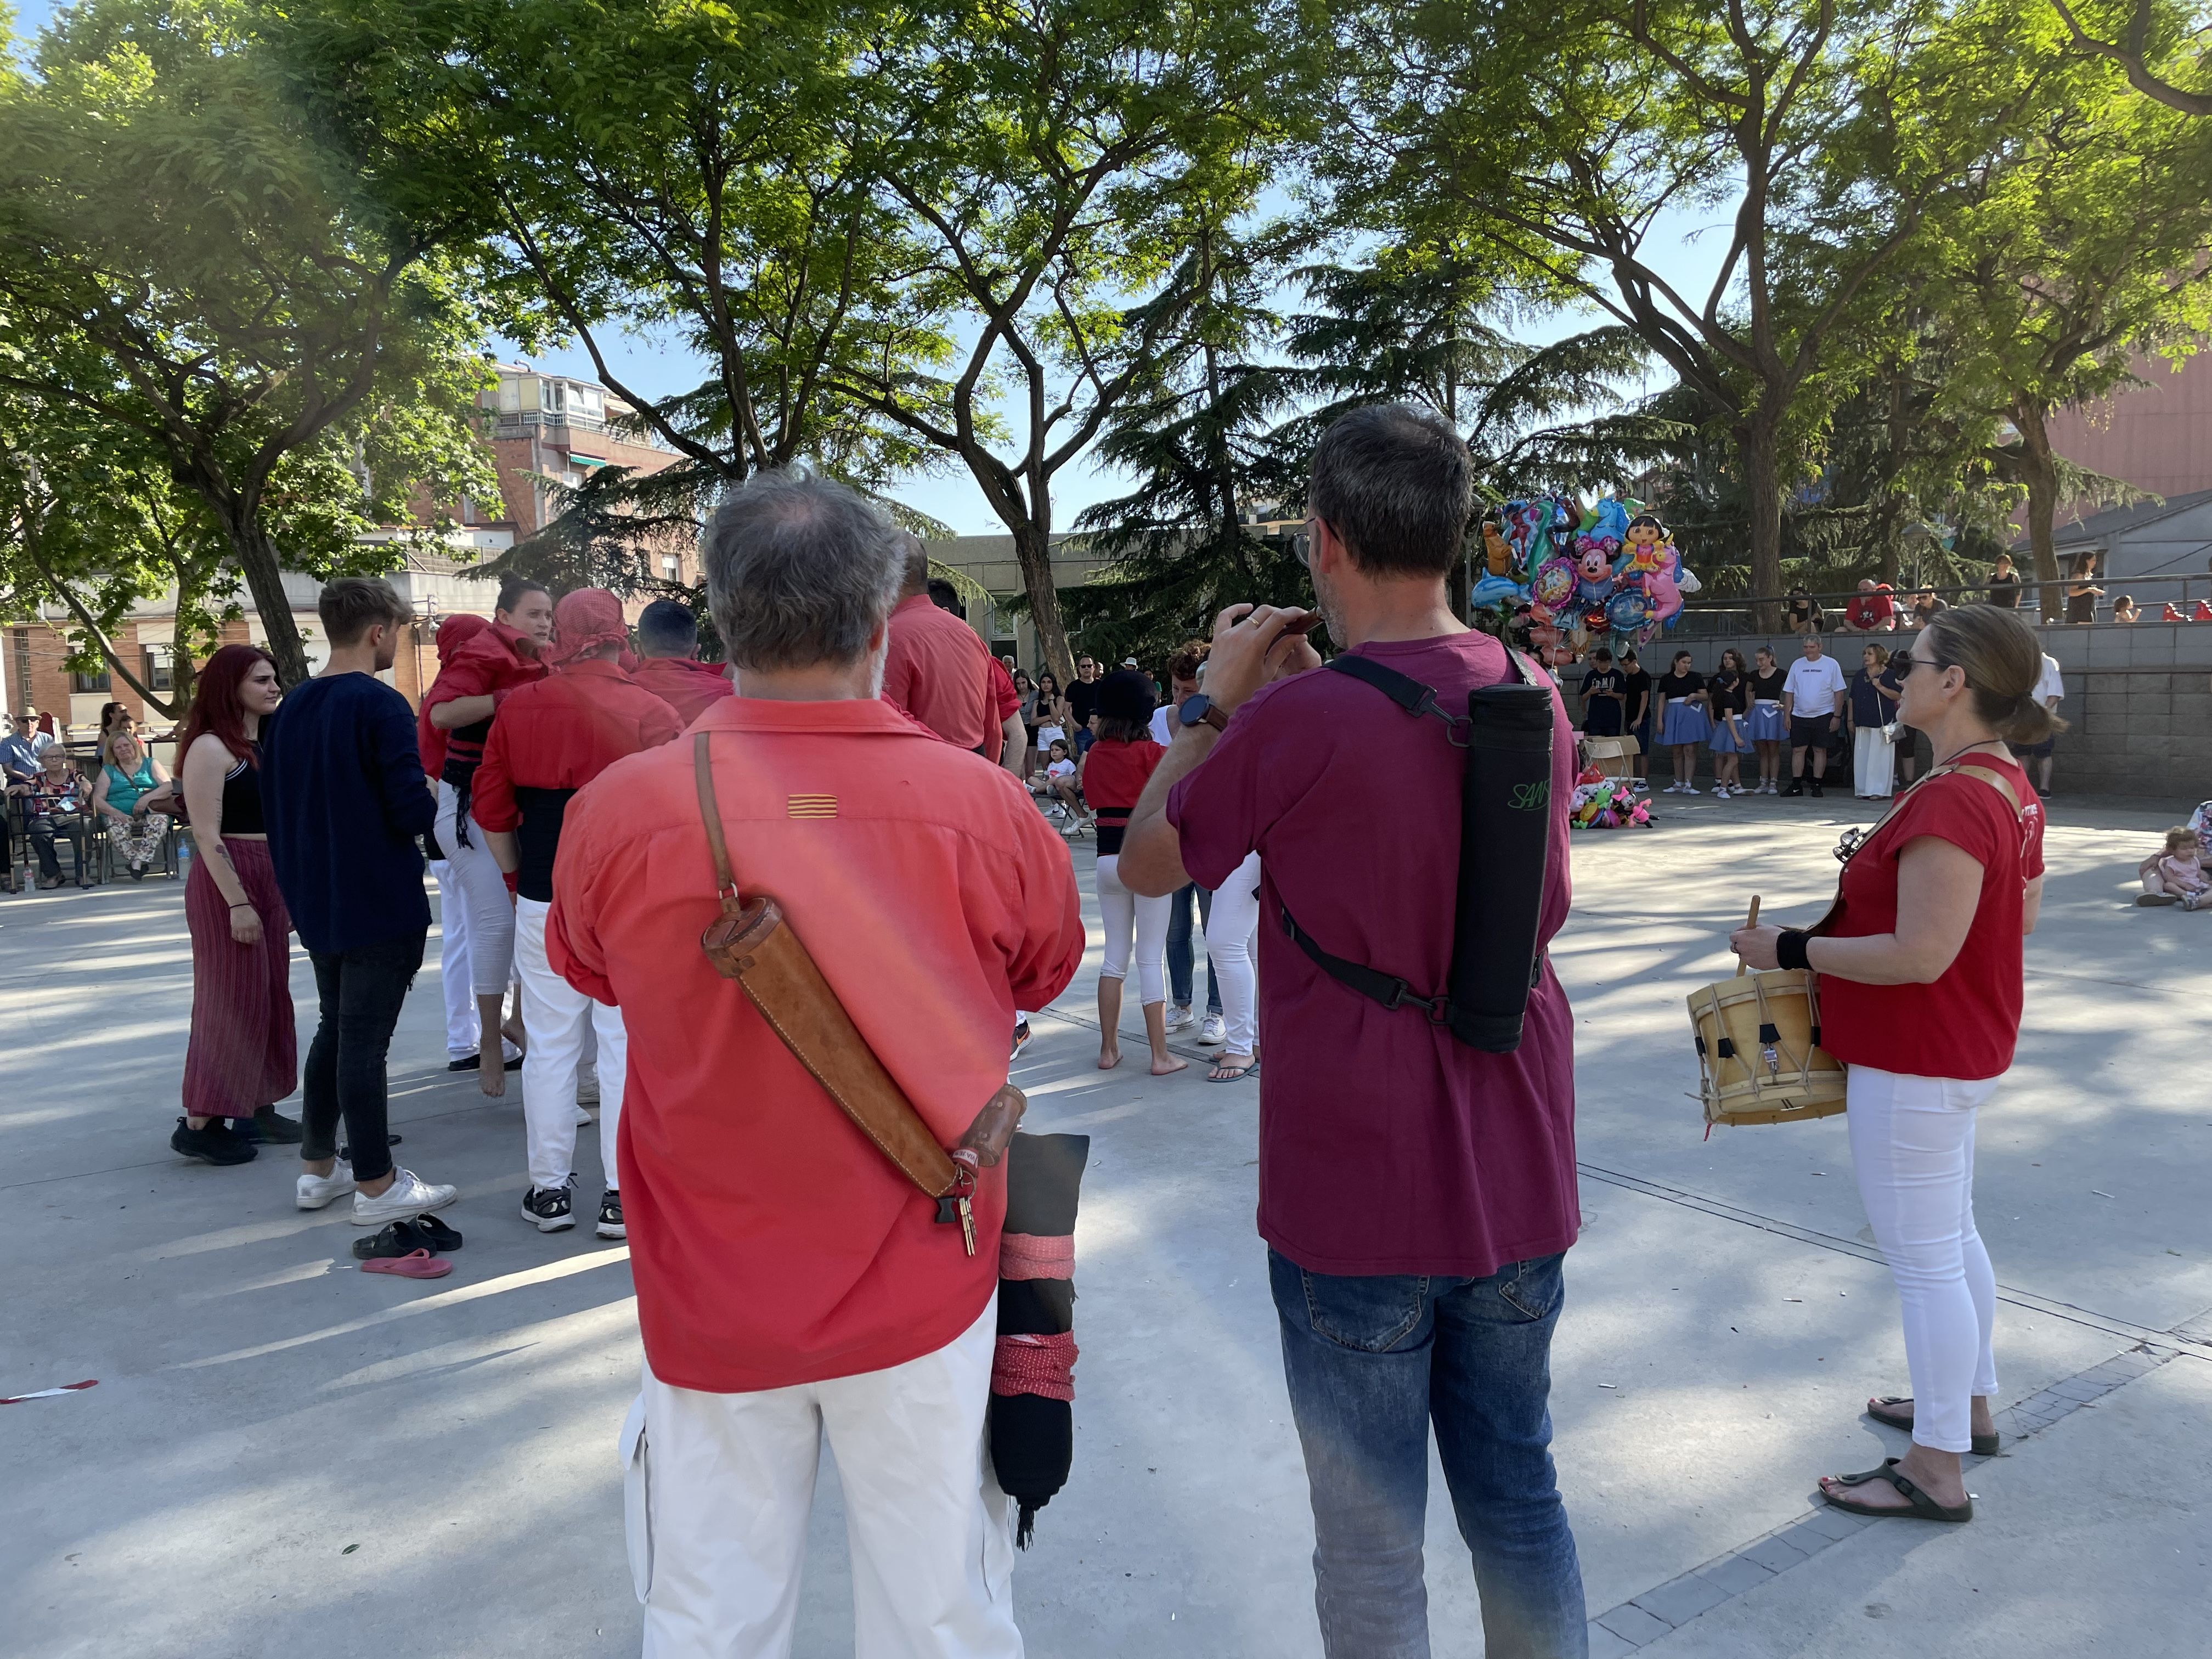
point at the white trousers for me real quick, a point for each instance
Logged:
(1875, 766)
(1912, 1144)
(558, 1017)
(1123, 913)
(1231, 926)
(484, 891)
(719, 1487)
(462, 1031)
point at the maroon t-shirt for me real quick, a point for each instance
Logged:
(1386, 1147)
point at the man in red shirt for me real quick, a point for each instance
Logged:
(1417, 1195)
(551, 739)
(790, 1281)
(1872, 610)
(935, 668)
(668, 644)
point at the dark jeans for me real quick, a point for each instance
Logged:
(1371, 1363)
(361, 992)
(44, 828)
(1179, 951)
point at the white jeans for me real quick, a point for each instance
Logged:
(558, 1017)
(1876, 764)
(1122, 913)
(1230, 925)
(462, 1032)
(1912, 1144)
(482, 890)
(719, 1487)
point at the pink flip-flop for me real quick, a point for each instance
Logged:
(416, 1264)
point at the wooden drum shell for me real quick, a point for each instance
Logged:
(1746, 1079)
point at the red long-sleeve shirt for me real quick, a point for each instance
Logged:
(551, 739)
(771, 1242)
(938, 671)
(688, 687)
(493, 662)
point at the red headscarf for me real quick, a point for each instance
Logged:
(583, 621)
(457, 631)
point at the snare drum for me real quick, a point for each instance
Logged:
(1759, 1049)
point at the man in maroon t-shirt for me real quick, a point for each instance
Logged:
(1417, 1196)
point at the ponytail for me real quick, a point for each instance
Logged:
(2002, 662)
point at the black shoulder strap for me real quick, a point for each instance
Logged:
(1408, 693)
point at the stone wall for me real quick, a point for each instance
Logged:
(2138, 704)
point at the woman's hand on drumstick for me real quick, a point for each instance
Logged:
(1755, 946)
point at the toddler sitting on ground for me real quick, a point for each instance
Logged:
(2177, 876)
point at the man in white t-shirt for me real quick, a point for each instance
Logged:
(2050, 689)
(1812, 701)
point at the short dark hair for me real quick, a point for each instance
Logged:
(945, 597)
(1602, 654)
(351, 605)
(666, 627)
(1395, 484)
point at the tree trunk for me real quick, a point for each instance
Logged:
(2038, 471)
(264, 581)
(1759, 443)
(1033, 552)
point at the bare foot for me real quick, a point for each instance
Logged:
(1162, 1065)
(1229, 1067)
(491, 1076)
(1937, 1474)
(514, 1033)
(1109, 1058)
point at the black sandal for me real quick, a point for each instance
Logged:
(434, 1234)
(1924, 1508)
(1983, 1445)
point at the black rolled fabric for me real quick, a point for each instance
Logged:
(1033, 1436)
(1505, 838)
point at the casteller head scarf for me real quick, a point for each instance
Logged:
(583, 621)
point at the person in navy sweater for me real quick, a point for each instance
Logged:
(345, 801)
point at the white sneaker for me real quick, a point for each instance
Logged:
(587, 1086)
(1179, 1015)
(1691, 789)
(1641, 786)
(315, 1191)
(409, 1194)
(584, 1117)
(1212, 1032)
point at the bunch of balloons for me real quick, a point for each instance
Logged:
(1573, 575)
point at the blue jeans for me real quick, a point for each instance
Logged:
(1180, 954)
(1371, 1363)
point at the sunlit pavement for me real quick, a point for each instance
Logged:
(285, 1456)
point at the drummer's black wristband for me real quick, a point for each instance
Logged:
(1789, 949)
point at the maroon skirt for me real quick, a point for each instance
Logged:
(244, 1048)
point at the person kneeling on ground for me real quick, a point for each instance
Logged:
(790, 1281)
(2177, 876)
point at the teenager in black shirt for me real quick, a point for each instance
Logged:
(1683, 725)
(1636, 685)
(1767, 727)
(1601, 696)
(1728, 699)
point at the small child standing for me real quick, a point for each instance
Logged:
(2177, 876)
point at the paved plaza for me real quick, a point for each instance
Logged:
(283, 1455)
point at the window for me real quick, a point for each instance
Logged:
(587, 401)
(160, 668)
(551, 396)
(671, 566)
(88, 684)
(510, 395)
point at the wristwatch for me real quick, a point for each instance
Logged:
(1198, 709)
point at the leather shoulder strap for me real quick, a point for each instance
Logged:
(710, 814)
(1995, 779)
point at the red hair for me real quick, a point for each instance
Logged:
(215, 711)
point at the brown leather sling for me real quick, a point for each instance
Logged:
(756, 946)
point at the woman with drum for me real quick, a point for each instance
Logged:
(1920, 980)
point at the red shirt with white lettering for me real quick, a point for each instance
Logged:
(772, 1242)
(1964, 1024)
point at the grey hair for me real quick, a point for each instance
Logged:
(1395, 484)
(800, 571)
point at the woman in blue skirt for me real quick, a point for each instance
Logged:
(1769, 728)
(1683, 725)
(1728, 700)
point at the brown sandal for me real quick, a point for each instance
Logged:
(1924, 1508)
(1982, 1445)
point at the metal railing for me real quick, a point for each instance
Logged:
(1707, 615)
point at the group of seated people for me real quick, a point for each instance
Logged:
(52, 800)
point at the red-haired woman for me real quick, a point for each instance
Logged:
(243, 1056)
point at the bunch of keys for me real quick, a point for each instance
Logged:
(956, 1206)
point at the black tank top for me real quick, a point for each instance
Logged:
(241, 797)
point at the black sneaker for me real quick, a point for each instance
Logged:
(213, 1145)
(465, 1063)
(548, 1207)
(610, 1221)
(1817, 791)
(1795, 788)
(269, 1126)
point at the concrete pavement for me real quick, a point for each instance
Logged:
(283, 1454)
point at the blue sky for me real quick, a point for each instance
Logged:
(657, 367)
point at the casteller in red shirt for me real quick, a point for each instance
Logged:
(454, 633)
(551, 739)
(937, 670)
(685, 684)
(772, 1243)
(1386, 1147)
(1965, 1024)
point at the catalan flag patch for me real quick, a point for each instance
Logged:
(811, 806)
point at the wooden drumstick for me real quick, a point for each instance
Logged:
(1749, 921)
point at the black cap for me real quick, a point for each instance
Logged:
(1126, 695)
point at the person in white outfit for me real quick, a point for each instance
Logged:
(1230, 928)
(1921, 993)
(550, 741)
